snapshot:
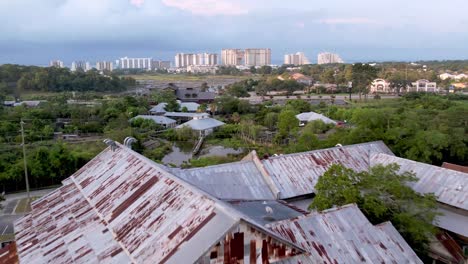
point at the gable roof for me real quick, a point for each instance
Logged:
(238, 180)
(312, 116)
(296, 174)
(202, 124)
(121, 207)
(162, 120)
(344, 235)
(450, 187)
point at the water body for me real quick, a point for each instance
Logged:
(182, 152)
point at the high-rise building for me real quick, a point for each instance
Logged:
(183, 60)
(247, 57)
(135, 63)
(296, 59)
(257, 57)
(56, 63)
(160, 65)
(104, 66)
(232, 57)
(80, 66)
(328, 58)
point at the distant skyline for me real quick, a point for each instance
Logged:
(35, 32)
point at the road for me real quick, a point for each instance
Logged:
(7, 213)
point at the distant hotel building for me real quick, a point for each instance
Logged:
(232, 57)
(183, 60)
(424, 86)
(296, 59)
(328, 58)
(104, 66)
(56, 63)
(257, 57)
(160, 65)
(80, 66)
(135, 63)
(247, 57)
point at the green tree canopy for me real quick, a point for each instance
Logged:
(382, 194)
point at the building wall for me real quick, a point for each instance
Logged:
(296, 59)
(183, 60)
(232, 57)
(104, 66)
(257, 57)
(56, 63)
(135, 63)
(327, 58)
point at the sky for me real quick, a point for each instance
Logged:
(37, 31)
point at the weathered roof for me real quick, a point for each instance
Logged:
(159, 108)
(191, 106)
(450, 187)
(202, 124)
(268, 211)
(456, 167)
(162, 120)
(8, 254)
(199, 95)
(238, 180)
(122, 208)
(296, 174)
(344, 235)
(453, 220)
(312, 116)
(184, 114)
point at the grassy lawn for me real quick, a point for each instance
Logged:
(7, 237)
(24, 205)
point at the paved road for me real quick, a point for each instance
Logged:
(7, 214)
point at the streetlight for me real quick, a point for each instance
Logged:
(24, 160)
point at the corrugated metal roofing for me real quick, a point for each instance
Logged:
(202, 124)
(159, 108)
(296, 174)
(186, 114)
(312, 116)
(124, 208)
(344, 235)
(238, 180)
(8, 254)
(450, 187)
(162, 120)
(452, 220)
(267, 212)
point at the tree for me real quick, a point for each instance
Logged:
(382, 194)
(328, 76)
(270, 120)
(287, 123)
(362, 76)
(204, 87)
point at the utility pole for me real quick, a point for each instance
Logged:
(24, 160)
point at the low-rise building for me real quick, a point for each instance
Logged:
(163, 121)
(203, 125)
(195, 95)
(457, 77)
(308, 117)
(424, 86)
(380, 86)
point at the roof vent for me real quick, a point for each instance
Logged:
(269, 210)
(128, 141)
(338, 145)
(111, 143)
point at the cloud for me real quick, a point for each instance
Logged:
(208, 7)
(347, 21)
(137, 3)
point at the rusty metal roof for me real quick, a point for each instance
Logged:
(450, 187)
(296, 174)
(238, 180)
(456, 167)
(122, 208)
(344, 235)
(8, 254)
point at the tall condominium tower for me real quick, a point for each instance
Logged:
(80, 65)
(183, 60)
(328, 58)
(135, 63)
(257, 57)
(104, 66)
(296, 59)
(56, 63)
(232, 57)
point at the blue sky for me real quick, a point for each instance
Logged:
(36, 31)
